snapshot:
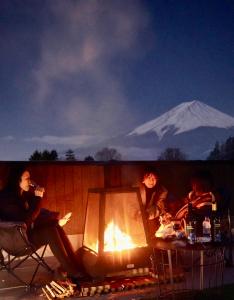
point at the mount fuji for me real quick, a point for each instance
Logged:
(193, 127)
(185, 117)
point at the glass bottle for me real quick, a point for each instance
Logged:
(216, 223)
(191, 225)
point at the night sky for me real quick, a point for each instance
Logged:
(75, 72)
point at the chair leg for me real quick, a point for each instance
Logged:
(10, 270)
(17, 277)
(40, 262)
(39, 259)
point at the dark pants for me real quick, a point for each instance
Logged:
(56, 238)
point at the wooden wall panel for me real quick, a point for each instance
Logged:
(79, 199)
(69, 196)
(50, 195)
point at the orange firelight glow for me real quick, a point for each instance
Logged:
(116, 240)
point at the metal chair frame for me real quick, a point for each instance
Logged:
(26, 250)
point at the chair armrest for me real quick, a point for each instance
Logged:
(12, 224)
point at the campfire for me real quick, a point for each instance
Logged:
(116, 240)
(115, 235)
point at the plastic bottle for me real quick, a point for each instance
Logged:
(206, 229)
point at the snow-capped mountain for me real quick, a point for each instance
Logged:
(185, 117)
(193, 127)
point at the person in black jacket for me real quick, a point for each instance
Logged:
(154, 197)
(19, 202)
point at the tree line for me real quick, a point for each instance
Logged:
(223, 151)
(105, 154)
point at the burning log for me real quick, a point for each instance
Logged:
(118, 244)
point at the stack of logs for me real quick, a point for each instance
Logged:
(62, 289)
(58, 290)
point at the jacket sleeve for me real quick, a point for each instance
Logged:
(157, 204)
(35, 205)
(161, 201)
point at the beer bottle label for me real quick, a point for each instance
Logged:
(214, 206)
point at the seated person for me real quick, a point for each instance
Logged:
(19, 202)
(154, 196)
(201, 197)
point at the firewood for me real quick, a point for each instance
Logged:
(45, 293)
(55, 288)
(50, 291)
(58, 286)
(60, 296)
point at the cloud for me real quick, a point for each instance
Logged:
(79, 140)
(7, 138)
(75, 75)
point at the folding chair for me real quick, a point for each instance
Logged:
(16, 246)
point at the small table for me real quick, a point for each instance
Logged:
(210, 256)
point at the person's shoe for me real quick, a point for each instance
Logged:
(60, 274)
(80, 277)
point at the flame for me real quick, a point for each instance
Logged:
(116, 240)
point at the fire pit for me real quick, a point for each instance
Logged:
(115, 235)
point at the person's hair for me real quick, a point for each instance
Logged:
(150, 170)
(14, 175)
(203, 179)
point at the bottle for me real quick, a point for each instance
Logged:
(191, 225)
(206, 229)
(216, 223)
(35, 187)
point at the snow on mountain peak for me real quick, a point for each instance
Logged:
(185, 117)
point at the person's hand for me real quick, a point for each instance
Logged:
(137, 215)
(65, 219)
(39, 191)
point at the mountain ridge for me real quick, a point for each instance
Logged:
(191, 126)
(184, 117)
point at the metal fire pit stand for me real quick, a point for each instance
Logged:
(187, 268)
